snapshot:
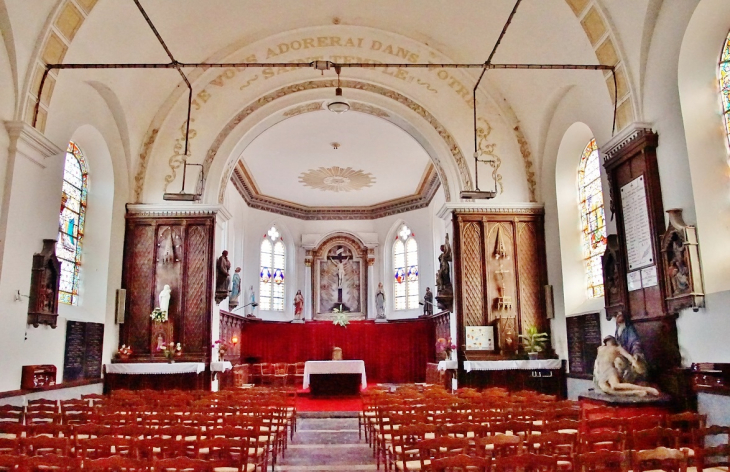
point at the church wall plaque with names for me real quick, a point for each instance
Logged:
(639, 249)
(584, 338)
(84, 347)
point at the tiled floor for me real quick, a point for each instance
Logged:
(327, 444)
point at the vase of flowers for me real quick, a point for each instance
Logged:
(222, 349)
(158, 316)
(171, 350)
(124, 352)
(444, 346)
(340, 318)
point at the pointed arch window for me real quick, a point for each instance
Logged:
(592, 218)
(71, 223)
(271, 276)
(724, 73)
(405, 268)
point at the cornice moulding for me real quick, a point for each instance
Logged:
(527, 208)
(30, 142)
(619, 141)
(170, 209)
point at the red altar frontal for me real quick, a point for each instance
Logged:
(396, 352)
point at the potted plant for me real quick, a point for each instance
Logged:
(533, 341)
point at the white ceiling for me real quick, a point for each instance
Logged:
(281, 154)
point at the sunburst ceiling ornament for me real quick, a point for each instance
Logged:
(336, 179)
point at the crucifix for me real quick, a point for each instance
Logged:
(339, 261)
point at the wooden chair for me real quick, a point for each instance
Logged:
(715, 458)
(51, 430)
(461, 462)
(41, 445)
(603, 461)
(105, 446)
(182, 464)
(498, 445)
(602, 440)
(116, 464)
(440, 447)
(12, 446)
(404, 452)
(12, 462)
(231, 454)
(689, 427)
(660, 458)
(562, 446)
(11, 430)
(52, 463)
(526, 463)
(42, 404)
(11, 414)
(150, 449)
(653, 438)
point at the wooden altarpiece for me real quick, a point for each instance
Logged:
(347, 252)
(44, 283)
(500, 272)
(639, 279)
(175, 249)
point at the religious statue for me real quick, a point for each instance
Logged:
(627, 337)
(222, 277)
(380, 302)
(164, 299)
(298, 305)
(340, 264)
(251, 300)
(235, 289)
(428, 302)
(678, 270)
(445, 295)
(611, 360)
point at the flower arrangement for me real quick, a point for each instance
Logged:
(124, 351)
(171, 350)
(222, 348)
(445, 346)
(158, 316)
(340, 316)
(533, 341)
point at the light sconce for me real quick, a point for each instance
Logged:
(234, 340)
(338, 105)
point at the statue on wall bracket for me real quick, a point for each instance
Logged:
(222, 277)
(681, 263)
(44, 283)
(444, 287)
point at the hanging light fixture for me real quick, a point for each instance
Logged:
(338, 105)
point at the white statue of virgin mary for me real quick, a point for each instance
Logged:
(164, 298)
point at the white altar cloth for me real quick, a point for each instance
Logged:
(549, 364)
(335, 367)
(448, 365)
(156, 368)
(221, 366)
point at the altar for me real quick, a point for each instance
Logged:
(156, 376)
(331, 378)
(542, 375)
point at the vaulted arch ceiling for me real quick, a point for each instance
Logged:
(511, 102)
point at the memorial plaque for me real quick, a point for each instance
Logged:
(584, 338)
(73, 362)
(639, 249)
(82, 359)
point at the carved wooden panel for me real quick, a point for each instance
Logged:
(196, 327)
(473, 280)
(139, 283)
(531, 295)
(231, 326)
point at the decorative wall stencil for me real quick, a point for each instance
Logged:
(301, 109)
(143, 158)
(336, 179)
(488, 150)
(527, 158)
(311, 85)
(369, 109)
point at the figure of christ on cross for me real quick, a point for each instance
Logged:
(339, 261)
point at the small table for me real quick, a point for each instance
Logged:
(332, 378)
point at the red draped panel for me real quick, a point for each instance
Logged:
(393, 352)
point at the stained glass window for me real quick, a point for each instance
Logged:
(271, 276)
(405, 268)
(592, 218)
(724, 71)
(71, 223)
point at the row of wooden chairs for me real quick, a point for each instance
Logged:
(279, 373)
(117, 463)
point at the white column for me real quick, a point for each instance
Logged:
(371, 291)
(308, 286)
